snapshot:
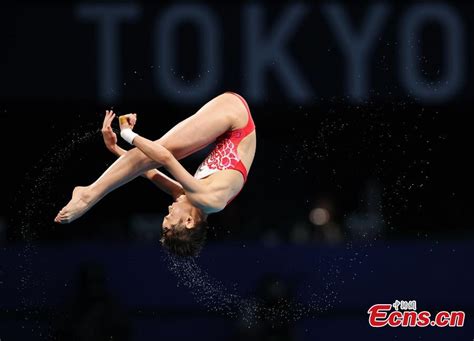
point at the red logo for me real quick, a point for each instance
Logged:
(404, 314)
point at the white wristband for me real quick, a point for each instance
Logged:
(128, 135)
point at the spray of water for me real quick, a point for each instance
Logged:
(33, 202)
(217, 298)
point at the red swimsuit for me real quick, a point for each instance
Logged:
(224, 156)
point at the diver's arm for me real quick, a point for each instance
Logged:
(159, 179)
(159, 154)
(163, 156)
(164, 182)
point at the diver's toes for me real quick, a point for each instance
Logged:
(60, 217)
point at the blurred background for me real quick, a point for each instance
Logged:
(360, 192)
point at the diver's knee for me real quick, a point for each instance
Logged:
(172, 148)
(137, 154)
(141, 160)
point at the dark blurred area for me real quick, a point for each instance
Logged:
(362, 165)
(93, 313)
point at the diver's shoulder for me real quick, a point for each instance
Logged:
(210, 202)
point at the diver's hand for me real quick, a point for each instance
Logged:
(110, 138)
(127, 121)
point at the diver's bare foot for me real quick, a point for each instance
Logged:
(77, 206)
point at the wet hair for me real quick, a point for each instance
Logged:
(185, 242)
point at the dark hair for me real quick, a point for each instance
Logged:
(185, 242)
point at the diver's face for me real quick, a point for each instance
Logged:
(178, 212)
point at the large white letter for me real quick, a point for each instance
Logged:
(108, 18)
(356, 46)
(208, 55)
(262, 53)
(454, 62)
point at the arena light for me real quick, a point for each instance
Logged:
(319, 216)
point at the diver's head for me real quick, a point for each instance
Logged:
(184, 228)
